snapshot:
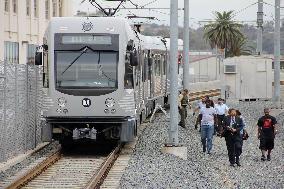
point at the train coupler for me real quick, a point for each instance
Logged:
(84, 133)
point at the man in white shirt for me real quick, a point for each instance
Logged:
(208, 119)
(200, 105)
(221, 111)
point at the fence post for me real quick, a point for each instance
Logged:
(35, 114)
(27, 107)
(16, 98)
(4, 112)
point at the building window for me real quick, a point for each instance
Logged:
(47, 9)
(15, 6)
(28, 3)
(6, 6)
(31, 53)
(54, 8)
(36, 8)
(11, 52)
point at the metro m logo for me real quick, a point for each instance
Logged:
(86, 102)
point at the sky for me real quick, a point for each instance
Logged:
(199, 10)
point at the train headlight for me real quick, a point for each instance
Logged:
(65, 111)
(59, 110)
(109, 102)
(62, 102)
(113, 111)
(106, 111)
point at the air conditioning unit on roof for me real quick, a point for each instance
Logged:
(230, 69)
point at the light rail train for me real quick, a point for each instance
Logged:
(103, 77)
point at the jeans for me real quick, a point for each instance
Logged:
(206, 137)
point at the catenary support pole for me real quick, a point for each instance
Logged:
(186, 46)
(277, 54)
(173, 130)
(259, 27)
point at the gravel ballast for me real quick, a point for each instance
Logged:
(44, 152)
(150, 168)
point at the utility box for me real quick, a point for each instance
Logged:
(248, 77)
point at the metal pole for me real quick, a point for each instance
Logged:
(186, 46)
(277, 54)
(259, 27)
(173, 130)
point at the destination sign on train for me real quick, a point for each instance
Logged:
(87, 39)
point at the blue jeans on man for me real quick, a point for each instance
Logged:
(207, 137)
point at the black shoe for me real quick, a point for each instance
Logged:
(195, 126)
(183, 126)
(238, 164)
(268, 157)
(209, 153)
(232, 165)
(262, 158)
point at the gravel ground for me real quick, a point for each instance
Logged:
(46, 151)
(150, 168)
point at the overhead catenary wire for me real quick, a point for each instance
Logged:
(143, 6)
(243, 9)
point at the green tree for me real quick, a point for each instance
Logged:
(224, 33)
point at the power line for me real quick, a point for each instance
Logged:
(241, 10)
(136, 5)
(143, 6)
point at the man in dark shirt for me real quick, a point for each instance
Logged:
(266, 133)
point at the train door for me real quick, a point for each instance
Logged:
(145, 76)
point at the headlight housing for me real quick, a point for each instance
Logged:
(62, 102)
(109, 102)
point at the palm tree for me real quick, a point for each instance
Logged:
(240, 47)
(223, 32)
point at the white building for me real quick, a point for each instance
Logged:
(248, 77)
(23, 23)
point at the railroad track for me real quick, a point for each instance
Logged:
(60, 171)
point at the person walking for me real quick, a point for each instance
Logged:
(200, 105)
(232, 127)
(182, 106)
(221, 111)
(242, 131)
(266, 134)
(208, 119)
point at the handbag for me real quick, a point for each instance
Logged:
(245, 135)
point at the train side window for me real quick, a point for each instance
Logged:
(157, 65)
(164, 65)
(45, 75)
(128, 76)
(145, 67)
(150, 64)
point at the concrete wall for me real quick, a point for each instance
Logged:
(205, 69)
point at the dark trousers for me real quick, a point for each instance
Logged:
(183, 115)
(220, 123)
(234, 146)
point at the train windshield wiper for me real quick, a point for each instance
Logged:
(83, 51)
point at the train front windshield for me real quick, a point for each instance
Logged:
(86, 69)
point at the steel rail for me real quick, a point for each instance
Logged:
(26, 177)
(99, 177)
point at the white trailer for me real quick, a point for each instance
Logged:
(248, 77)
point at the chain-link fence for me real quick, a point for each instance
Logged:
(21, 99)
